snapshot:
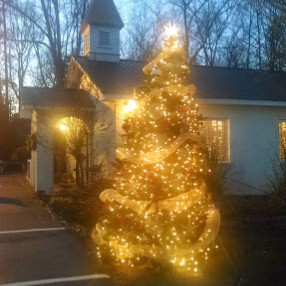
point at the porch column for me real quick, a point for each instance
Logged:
(44, 180)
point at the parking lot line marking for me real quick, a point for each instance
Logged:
(32, 230)
(58, 280)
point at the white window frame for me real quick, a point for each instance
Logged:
(207, 138)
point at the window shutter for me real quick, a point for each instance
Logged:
(104, 38)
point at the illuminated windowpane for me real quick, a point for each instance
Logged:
(217, 138)
(282, 137)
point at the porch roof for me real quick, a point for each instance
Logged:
(60, 97)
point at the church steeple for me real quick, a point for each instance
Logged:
(100, 28)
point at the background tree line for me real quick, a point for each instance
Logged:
(229, 33)
(37, 38)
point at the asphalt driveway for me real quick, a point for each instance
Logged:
(35, 250)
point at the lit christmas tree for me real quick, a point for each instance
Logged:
(159, 208)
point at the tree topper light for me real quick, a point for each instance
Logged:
(171, 30)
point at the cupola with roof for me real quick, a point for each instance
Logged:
(100, 28)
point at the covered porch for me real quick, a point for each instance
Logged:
(62, 123)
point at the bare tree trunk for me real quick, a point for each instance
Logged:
(81, 174)
(77, 173)
(55, 43)
(60, 64)
(186, 29)
(87, 158)
(7, 105)
(259, 41)
(249, 41)
(81, 10)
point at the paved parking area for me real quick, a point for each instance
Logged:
(35, 250)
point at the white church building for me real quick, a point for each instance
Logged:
(245, 110)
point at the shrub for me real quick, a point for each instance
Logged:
(80, 206)
(277, 182)
(216, 178)
(72, 211)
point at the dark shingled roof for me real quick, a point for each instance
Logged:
(39, 96)
(103, 13)
(211, 82)
(117, 78)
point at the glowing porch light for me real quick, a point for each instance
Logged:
(131, 105)
(63, 127)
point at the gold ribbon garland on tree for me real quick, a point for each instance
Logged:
(176, 204)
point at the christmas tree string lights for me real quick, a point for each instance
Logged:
(159, 207)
